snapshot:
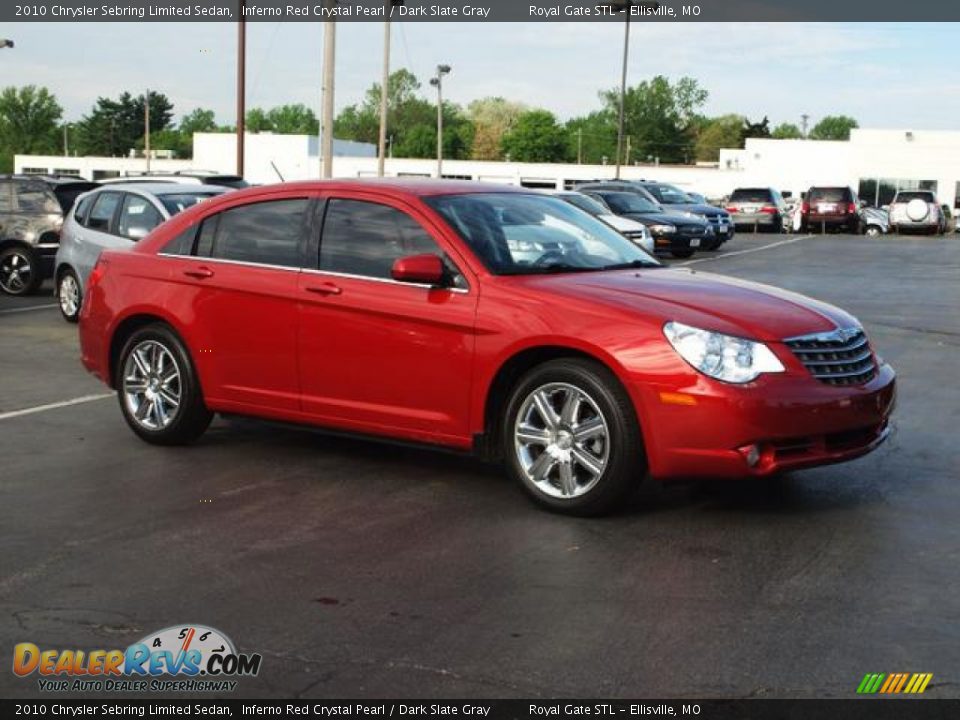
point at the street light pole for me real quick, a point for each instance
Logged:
(146, 128)
(385, 86)
(438, 83)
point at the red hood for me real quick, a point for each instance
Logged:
(712, 302)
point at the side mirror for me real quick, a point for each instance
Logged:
(424, 269)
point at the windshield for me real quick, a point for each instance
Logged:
(907, 196)
(587, 204)
(179, 202)
(625, 202)
(517, 234)
(757, 195)
(669, 195)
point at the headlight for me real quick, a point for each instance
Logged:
(662, 229)
(727, 358)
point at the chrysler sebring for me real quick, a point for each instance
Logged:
(482, 318)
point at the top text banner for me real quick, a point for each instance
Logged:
(476, 11)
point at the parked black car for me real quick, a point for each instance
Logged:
(680, 234)
(30, 222)
(673, 198)
(679, 205)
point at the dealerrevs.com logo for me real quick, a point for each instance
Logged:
(180, 658)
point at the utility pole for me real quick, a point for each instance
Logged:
(579, 146)
(627, 158)
(326, 119)
(241, 87)
(628, 4)
(385, 86)
(804, 119)
(66, 145)
(146, 128)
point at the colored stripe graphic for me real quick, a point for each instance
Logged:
(894, 683)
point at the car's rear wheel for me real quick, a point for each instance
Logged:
(571, 437)
(682, 254)
(873, 231)
(19, 270)
(158, 389)
(69, 295)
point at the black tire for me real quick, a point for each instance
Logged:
(624, 462)
(20, 270)
(190, 417)
(682, 254)
(69, 295)
(777, 226)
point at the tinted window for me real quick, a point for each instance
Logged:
(182, 244)
(264, 232)
(586, 203)
(137, 218)
(67, 193)
(364, 238)
(35, 198)
(759, 195)
(622, 202)
(905, 197)
(179, 202)
(80, 214)
(668, 194)
(830, 195)
(230, 181)
(103, 210)
(6, 197)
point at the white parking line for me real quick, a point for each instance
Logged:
(745, 252)
(28, 309)
(54, 406)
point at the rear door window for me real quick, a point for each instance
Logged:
(137, 217)
(101, 215)
(83, 209)
(264, 233)
(830, 195)
(905, 197)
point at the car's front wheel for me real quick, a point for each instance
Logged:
(19, 271)
(69, 295)
(571, 437)
(158, 388)
(682, 254)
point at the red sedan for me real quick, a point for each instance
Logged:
(482, 318)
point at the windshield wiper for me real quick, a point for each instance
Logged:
(632, 264)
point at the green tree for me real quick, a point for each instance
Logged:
(257, 121)
(114, 127)
(295, 119)
(536, 137)
(659, 117)
(726, 131)
(492, 117)
(593, 137)
(834, 127)
(786, 131)
(29, 123)
(198, 120)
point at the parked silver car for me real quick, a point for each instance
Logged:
(114, 217)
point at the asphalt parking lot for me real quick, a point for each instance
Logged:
(365, 570)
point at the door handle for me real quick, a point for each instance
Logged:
(200, 273)
(326, 288)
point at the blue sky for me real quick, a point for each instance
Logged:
(885, 75)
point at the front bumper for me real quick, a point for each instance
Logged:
(682, 241)
(778, 423)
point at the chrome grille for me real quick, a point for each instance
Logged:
(842, 357)
(691, 229)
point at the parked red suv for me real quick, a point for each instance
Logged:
(831, 208)
(481, 318)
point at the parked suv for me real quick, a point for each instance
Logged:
(835, 208)
(114, 216)
(917, 210)
(30, 222)
(187, 177)
(758, 208)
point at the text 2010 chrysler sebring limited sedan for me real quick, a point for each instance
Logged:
(476, 317)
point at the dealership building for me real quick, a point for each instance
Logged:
(875, 162)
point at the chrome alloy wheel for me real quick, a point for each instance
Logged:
(69, 295)
(561, 440)
(16, 273)
(151, 385)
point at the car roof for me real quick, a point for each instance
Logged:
(418, 187)
(163, 188)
